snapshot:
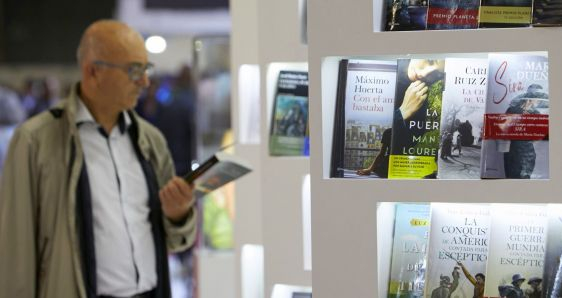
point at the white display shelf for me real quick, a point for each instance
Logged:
(280, 48)
(248, 217)
(344, 211)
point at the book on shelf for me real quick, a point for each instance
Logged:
(462, 118)
(302, 295)
(218, 170)
(417, 115)
(505, 13)
(405, 15)
(452, 14)
(547, 13)
(516, 248)
(289, 118)
(409, 250)
(552, 283)
(363, 118)
(516, 119)
(458, 249)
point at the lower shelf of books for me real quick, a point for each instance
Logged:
(469, 249)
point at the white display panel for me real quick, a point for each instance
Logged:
(252, 271)
(249, 104)
(307, 223)
(344, 221)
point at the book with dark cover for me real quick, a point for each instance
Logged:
(458, 249)
(405, 15)
(409, 251)
(552, 283)
(516, 248)
(516, 120)
(365, 103)
(547, 13)
(462, 118)
(417, 115)
(452, 14)
(302, 295)
(289, 119)
(505, 13)
(218, 170)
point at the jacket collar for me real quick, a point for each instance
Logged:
(70, 107)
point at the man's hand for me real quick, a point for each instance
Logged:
(364, 172)
(413, 99)
(176, 197)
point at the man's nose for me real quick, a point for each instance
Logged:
(144, 81)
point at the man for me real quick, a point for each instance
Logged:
(89, 202)
(478, 281)
(535, 291)
(514, 290)
(446, 287)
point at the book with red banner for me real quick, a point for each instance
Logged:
(452, 14)
(515, 142)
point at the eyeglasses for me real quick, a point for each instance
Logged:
(135, 70)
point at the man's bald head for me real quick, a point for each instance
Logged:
(107, 38)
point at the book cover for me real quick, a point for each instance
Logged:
(505, 13)
(409, 251)
(516, 119)
(364, 119)
(417, 115)
(458, 250)
(452, 14)
(290, 114)
(218, 170)
(552, 283)
(405, 15)
(517, 248)
(462, 118)
(547, 13)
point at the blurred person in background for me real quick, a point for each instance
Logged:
(169, 104)
(89, 203)
(40, 94)
(12, 113)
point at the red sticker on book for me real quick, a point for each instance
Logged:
(458, 17)
(531, 127)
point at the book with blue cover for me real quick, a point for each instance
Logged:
(289, 123)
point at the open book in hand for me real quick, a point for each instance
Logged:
(217, 171)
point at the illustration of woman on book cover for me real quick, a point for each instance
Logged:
(519, 161)
(417, 116)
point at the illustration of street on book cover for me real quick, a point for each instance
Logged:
(462, 118)
(517, 248)
(364, 119)
(452, 14)
(552, 283)
(505, 13)
(409, 251)
(516, 120)
(405, 15)
(290, 114)
(458, 249)
(417, 115)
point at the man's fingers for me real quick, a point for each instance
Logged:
(182, 186)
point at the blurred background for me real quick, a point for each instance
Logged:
(188, 99)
